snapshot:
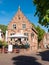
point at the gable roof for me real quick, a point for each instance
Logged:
(19, 13)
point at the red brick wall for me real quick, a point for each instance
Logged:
(33, 41)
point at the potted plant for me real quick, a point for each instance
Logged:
(27, 46)
(5, 46)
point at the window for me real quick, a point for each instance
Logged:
(12, 33)
(26, 34)
(11, 39)
(14, 26)
(32, 34)
(25, 39)
(23, 26)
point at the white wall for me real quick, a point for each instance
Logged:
(6, 37)
(0, 34)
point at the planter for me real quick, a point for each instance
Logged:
(5, 50)
(16, 50)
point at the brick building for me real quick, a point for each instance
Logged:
(21, 25)
(46, 40)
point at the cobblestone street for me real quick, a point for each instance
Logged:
(24, 59)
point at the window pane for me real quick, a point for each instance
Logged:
(11, 39)
(14, 26)
(12, 33)
(32, 34)
(26, 34)
(23, 26)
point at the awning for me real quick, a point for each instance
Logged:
(18, 36)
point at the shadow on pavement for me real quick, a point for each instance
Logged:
(44, 55)
(25, 60)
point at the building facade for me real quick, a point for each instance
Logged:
(21, 25)
(46, 40)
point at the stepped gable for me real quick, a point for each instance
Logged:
(19, 17)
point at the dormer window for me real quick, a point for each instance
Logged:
(14, 26)
(23, 26)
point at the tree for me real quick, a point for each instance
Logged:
(40, 33)
(42, 11)
(3, 28)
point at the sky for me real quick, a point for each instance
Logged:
(8, 9)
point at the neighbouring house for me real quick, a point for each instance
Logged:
(2, 37)
(45, 41)
(21, 28)
(41, 44)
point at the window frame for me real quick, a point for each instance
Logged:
(14, 26)
(26, 34)
(23, 26)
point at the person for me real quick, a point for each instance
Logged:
(10, 48)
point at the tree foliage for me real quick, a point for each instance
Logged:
(40, 33)
(42, 11)
(3, 28)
